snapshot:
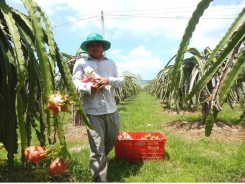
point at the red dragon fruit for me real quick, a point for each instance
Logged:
(35, 153)
(88, 78)
(57, 166)
(58, 103)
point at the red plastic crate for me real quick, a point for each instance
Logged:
(139, 149)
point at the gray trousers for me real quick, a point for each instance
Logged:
(102, 140)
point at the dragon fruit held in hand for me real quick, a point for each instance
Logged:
(89, 76)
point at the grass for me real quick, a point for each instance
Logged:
(203, 160)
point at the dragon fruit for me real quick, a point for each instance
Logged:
(88, 78)
(34, 153)
(57, 166)
(58, 103)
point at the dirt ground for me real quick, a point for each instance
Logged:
(221, 131)
(189, 130)
(75, 133)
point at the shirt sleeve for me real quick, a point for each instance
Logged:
(77, 76)
(118, 80)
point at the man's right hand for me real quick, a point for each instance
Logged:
(95, 88)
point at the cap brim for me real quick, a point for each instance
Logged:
(107, 44)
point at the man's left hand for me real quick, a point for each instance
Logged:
(102, 81)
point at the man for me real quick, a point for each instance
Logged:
(102, 77)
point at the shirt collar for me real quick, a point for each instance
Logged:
(89, 57)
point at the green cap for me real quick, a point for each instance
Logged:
(94, 37)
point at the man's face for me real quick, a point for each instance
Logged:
(95, 49)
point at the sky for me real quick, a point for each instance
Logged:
(144, 34)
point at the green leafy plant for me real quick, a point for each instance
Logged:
(209, 78)
(30, 57)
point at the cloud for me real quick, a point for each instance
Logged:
(140, 52)
(115, 51)
(140, 61)
(144, 33)
(213, 26)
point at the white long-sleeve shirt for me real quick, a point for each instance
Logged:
(102, 102)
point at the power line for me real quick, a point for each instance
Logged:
(85, 15)
(212, 6)
(151, 17)
(72, 22)
(110, 15)
(148, 17)
(147, 10)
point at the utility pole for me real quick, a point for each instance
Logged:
(102, 25)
